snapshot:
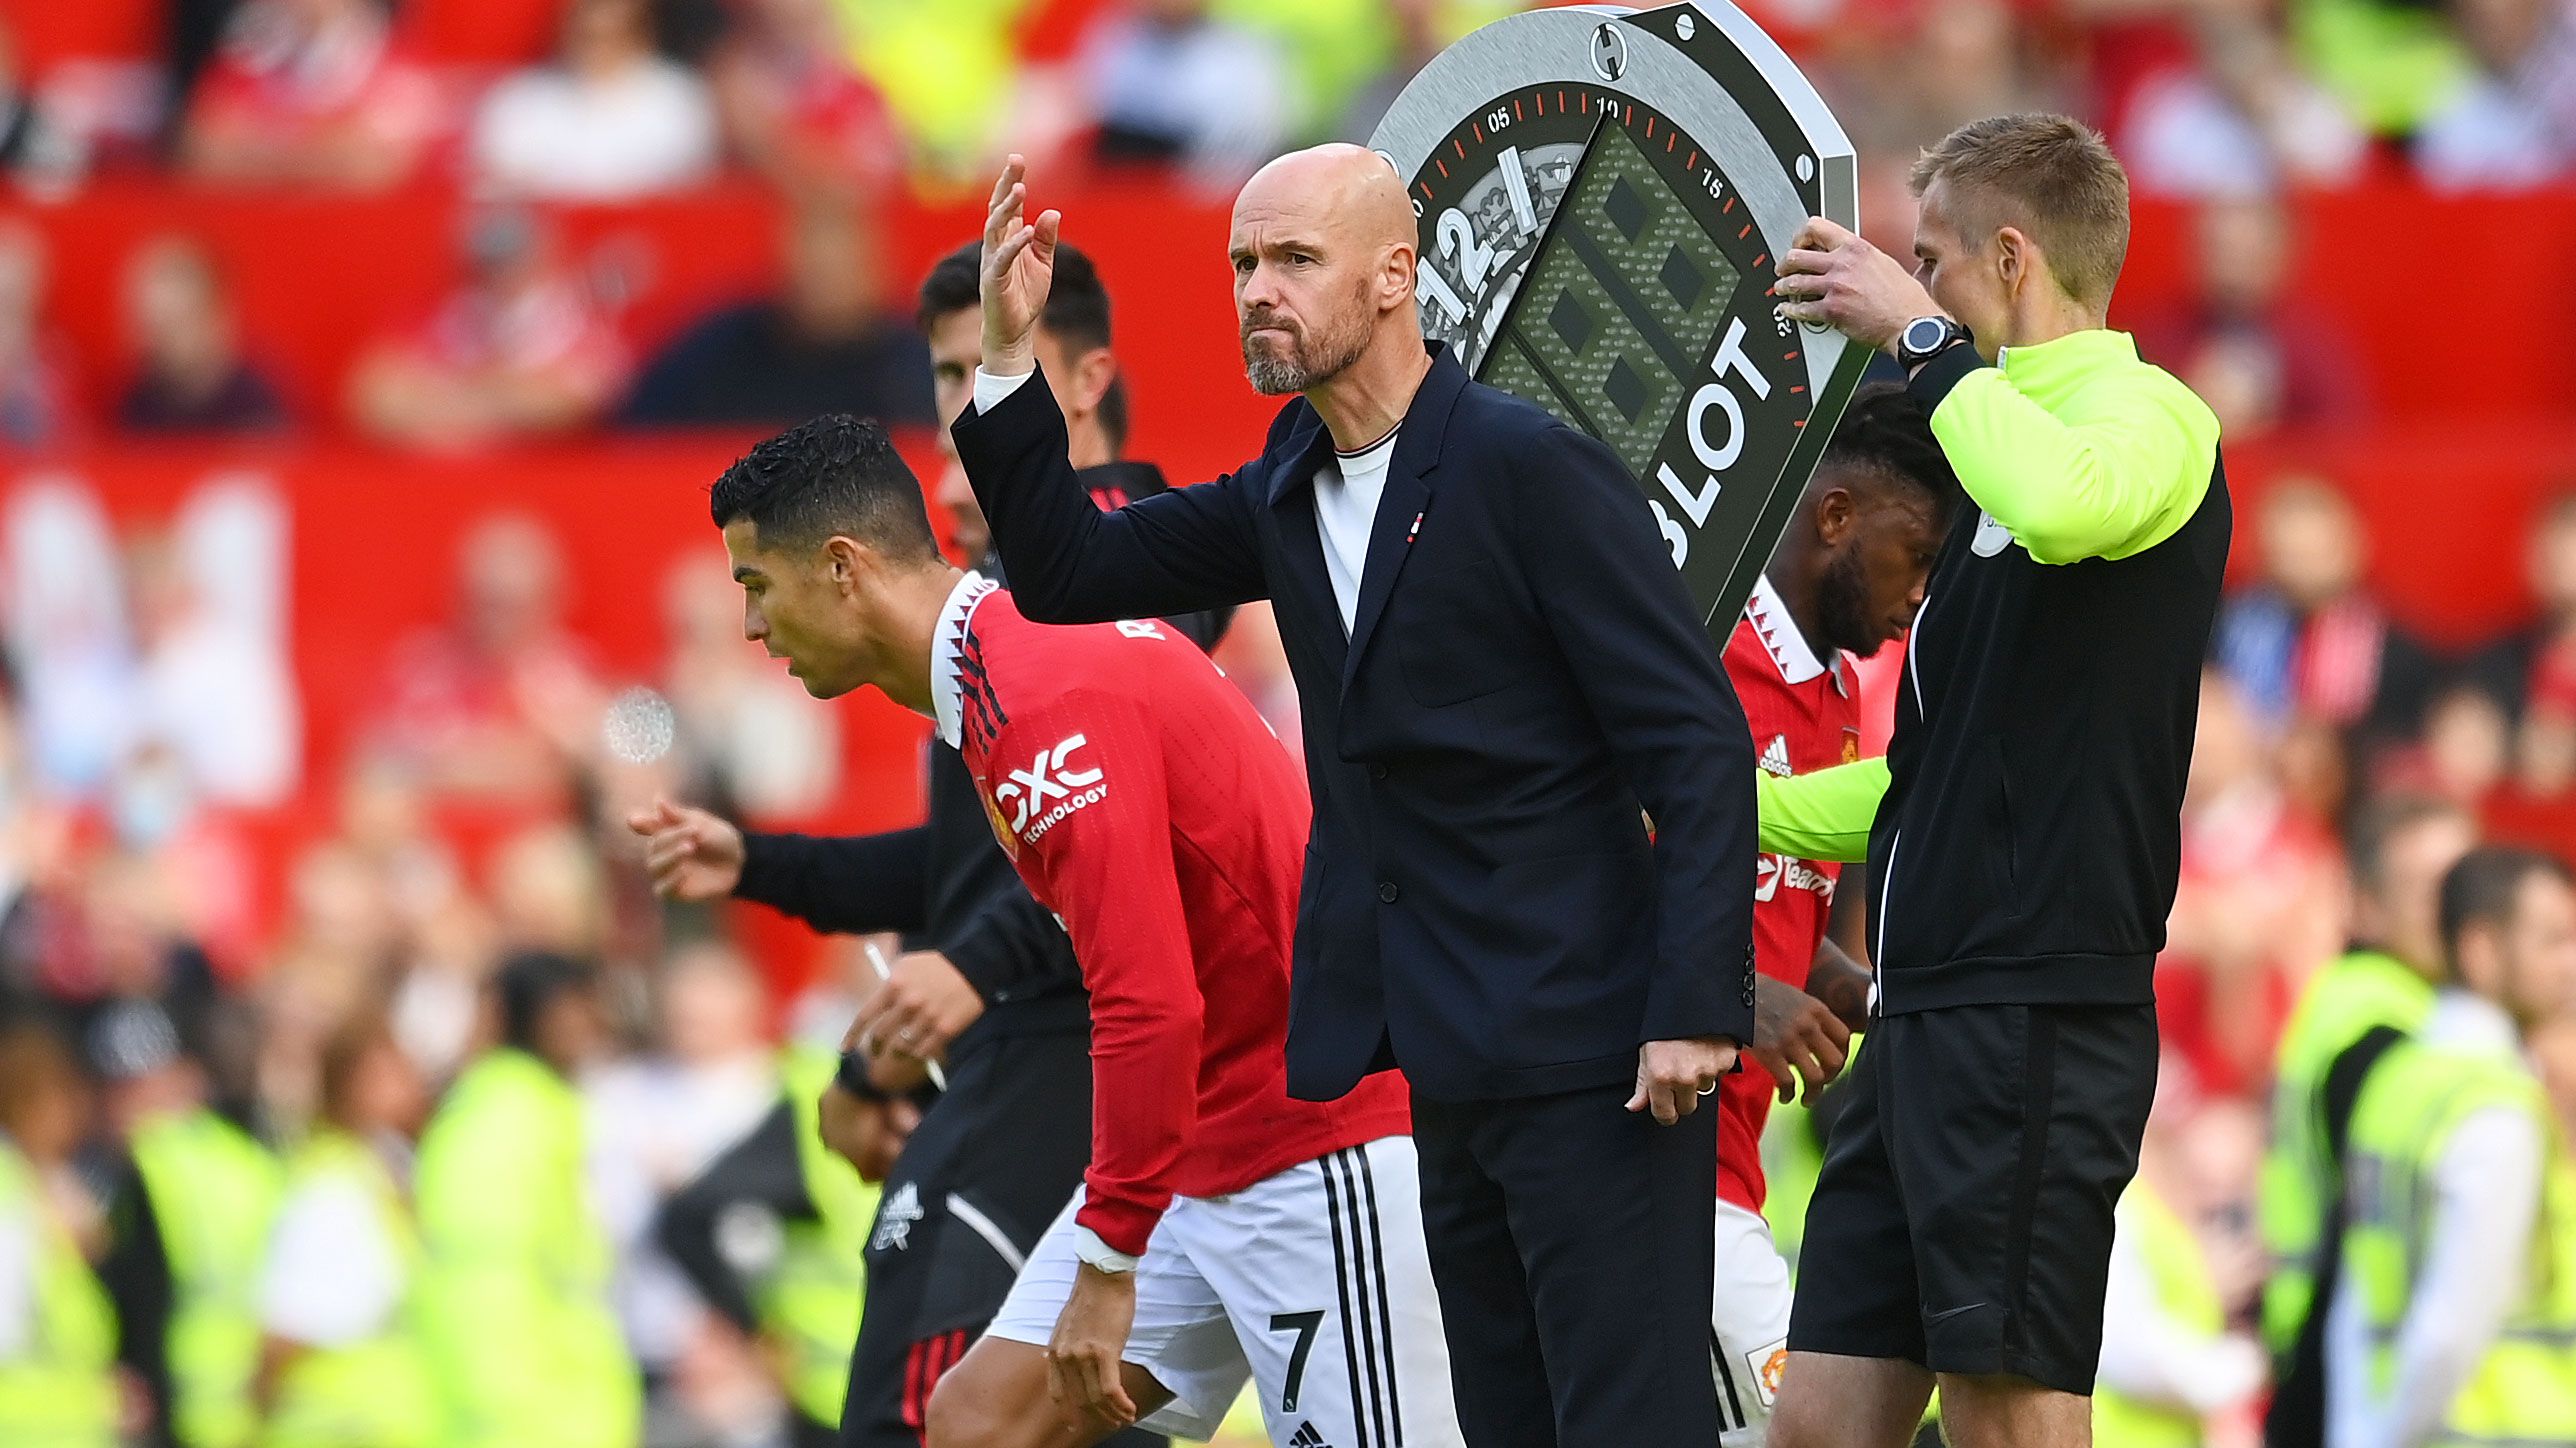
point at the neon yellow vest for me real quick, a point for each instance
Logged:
(375, 1392)
(2524, 1391)
(946, 70)
(522, 1342)
(214, 1194)
(2355, 995)
(811, 1299)
(2185, 1294)
(60, 1392)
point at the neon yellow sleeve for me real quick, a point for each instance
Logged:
(1824, 815)
(2114, 469)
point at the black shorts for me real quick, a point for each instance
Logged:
(993, 1162)
(1963, 1217)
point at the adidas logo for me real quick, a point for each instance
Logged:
(1775, 757)
(1307, 1437)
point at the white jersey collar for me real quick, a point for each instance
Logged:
(947, 703)
(1789, 649)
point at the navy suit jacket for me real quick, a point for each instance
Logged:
(1482, 905)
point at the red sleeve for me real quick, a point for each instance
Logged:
(1080, 784)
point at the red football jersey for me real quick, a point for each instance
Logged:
(1147, 804)
(1805, 715)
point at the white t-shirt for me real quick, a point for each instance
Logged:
(334, 1275)
(547, 133)
(17, 1279)
(1347, 490)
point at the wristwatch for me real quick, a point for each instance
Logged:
(1099, 1256)
(1925, 338)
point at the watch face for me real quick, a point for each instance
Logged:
(1602, 195)
(1923, 334)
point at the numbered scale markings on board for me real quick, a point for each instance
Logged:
(1603, 194)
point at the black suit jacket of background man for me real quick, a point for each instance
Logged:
(1482, 903)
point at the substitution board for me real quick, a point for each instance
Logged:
(1603, 195)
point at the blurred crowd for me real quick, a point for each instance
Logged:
(840, 103)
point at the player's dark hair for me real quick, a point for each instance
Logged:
(1887, 434)
(528, 983)
(835, 475)
(2483, 890)
(1076, 312)
(2376, 826)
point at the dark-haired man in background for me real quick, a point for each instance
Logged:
(990, 981)
(1846, 577)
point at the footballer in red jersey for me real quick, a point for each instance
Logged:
(1847, 577)
(1223, 1230)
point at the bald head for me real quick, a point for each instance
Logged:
(1323, 249)
(1347, 187)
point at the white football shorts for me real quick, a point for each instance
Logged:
(1313, 1282)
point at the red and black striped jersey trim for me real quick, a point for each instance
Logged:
(981, 715)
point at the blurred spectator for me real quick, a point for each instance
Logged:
(491, 705)
(1351, 70)
(2308, 639)
(1932, 68)
(752, 735)
(69, 649)
(34, 392)
(2537, 661)
(57, 1332)
(823, 344)
(520, 351)
(314, 93)
(548, 893)
(521, 1337)
(2243, 120)
(949, 70)
(2258, 358)
(188, 1216)
(1167, 83)
(2257, 907)
(664, 1117)
(2466, 750)
(2175, 1363)
(1417, 37)
(339, 1291)
(33, 149)
(220, 697)
(2390, 62)
(194, 377)
(796, 108)
(610, 119)
(2512, 122)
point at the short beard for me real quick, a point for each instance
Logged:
(1280, 376)
(1842, 596)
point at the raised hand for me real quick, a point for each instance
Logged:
(1019, 267)
(1835, 278)
(691, 854)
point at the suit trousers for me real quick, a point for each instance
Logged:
(1573, 1245)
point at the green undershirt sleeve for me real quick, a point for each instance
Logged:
(1823, 815)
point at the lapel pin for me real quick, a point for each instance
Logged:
(1415, 531)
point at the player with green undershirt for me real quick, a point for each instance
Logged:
(2023, 835)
